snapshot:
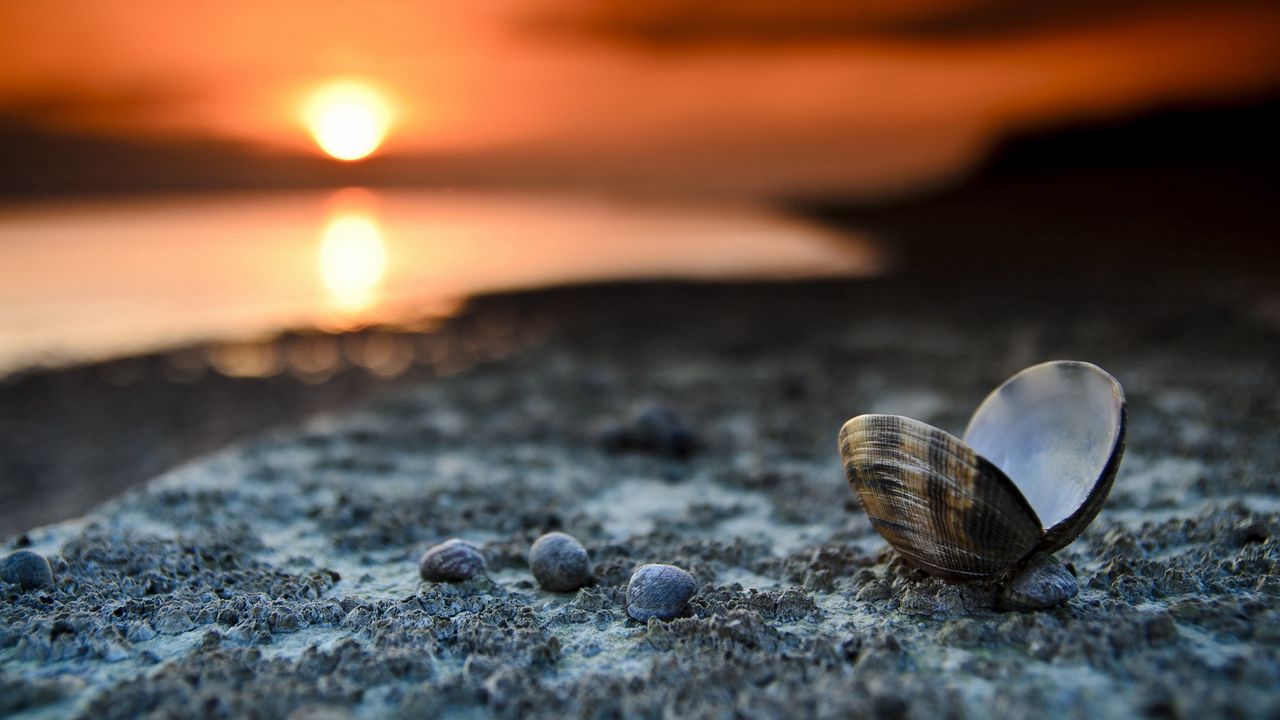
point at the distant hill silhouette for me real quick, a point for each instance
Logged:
(43, 162)
(1242, 136)
(1202, 147)
(39, 162)
(1171, 193)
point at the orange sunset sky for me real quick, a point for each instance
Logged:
(754, 96)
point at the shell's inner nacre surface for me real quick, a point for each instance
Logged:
(945, 508)
(1053, 429)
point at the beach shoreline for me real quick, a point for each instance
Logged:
(291, 556)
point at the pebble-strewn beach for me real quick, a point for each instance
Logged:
(279, 577)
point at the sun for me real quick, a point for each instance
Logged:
(348, 118)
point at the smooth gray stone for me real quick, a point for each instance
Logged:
(659, 591)
(28, 569)
(450, 561)
(559, 562)
(1042, 582)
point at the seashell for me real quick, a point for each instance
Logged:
(26, 568)
(451, 560)
(1035, 466)
(659, 591)
(1042, 583)
(559, 562)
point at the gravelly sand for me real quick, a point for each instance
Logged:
(279, 579)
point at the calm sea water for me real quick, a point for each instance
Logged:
(89, 280)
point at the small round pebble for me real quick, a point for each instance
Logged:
(659, 591)
(28, 569)
(451, 560)
(1044, 582)
(655, 429)
(559, 562)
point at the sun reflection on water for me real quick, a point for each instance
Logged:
(90, 280)
(353, 254)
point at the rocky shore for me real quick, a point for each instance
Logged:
(278, 578)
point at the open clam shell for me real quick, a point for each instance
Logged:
(1036, 464)
(944, 507)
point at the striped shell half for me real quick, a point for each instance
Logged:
(1034, 469)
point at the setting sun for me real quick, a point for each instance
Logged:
(348, 118)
